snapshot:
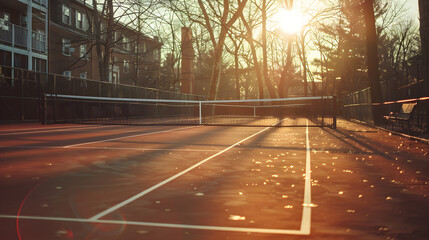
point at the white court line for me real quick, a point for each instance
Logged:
(38, 128)
(116, 148)
(137, 135)
(165, 225)
(65, 129)
(306, 209)
(158, 185)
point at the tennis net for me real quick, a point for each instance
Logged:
(320, 111)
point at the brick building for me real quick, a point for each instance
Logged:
(23, 28)
(57, 36)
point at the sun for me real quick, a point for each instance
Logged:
(290, 21)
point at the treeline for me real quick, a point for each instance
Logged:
(241, 52)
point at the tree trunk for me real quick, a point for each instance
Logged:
(301, 47)
(109, 41)
(287, 72)
(424, 36)
(283, 86)
(217, 67)
(217, 57)
(264, 51)
(372, 59)
(237, 74)
(97, 32)
(259, 75)
(249, 38)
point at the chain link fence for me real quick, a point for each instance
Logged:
(21, 92)
(415, 121)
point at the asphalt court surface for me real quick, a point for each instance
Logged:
(209, 182)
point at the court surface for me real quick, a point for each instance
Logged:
(211, 182)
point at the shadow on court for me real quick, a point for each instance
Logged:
(365, 184)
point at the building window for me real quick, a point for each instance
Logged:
(126, 66)
(82, 52)
(66, 47)
(4, 21)
(85, 22)
(83, 82)
(126, 43)
(103, 31)
(156, 54)
(79, 20)
(67, 74)
(66, 14)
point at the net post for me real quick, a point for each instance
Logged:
(199, 111)
(254, 111)
(323, 111)
(53, 109)
(334, 112)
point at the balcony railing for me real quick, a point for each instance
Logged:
(5, 31)
(20, 35)
(39, 41)
(43, 3)
(15, 35)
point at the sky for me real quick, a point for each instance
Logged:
(413, 8)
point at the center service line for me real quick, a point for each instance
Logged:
(158, 185)
(306, 210)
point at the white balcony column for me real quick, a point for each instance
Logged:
(29, 33)
(12, 27)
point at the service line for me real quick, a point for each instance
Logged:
(116, 148)
(137, 135)
(41, 130)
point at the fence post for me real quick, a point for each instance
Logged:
(44, 109)
(200, 112)
(55, 85)
(334, 112)
(22, 94)
(53, 99)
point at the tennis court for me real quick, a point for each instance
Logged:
(77, 181)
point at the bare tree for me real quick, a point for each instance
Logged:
(372, 58)
(225, 23)
(264, 9)
(250, 40)
(283, 87)
(237, 42)
(424, 36)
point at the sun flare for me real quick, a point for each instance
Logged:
(290, 21)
